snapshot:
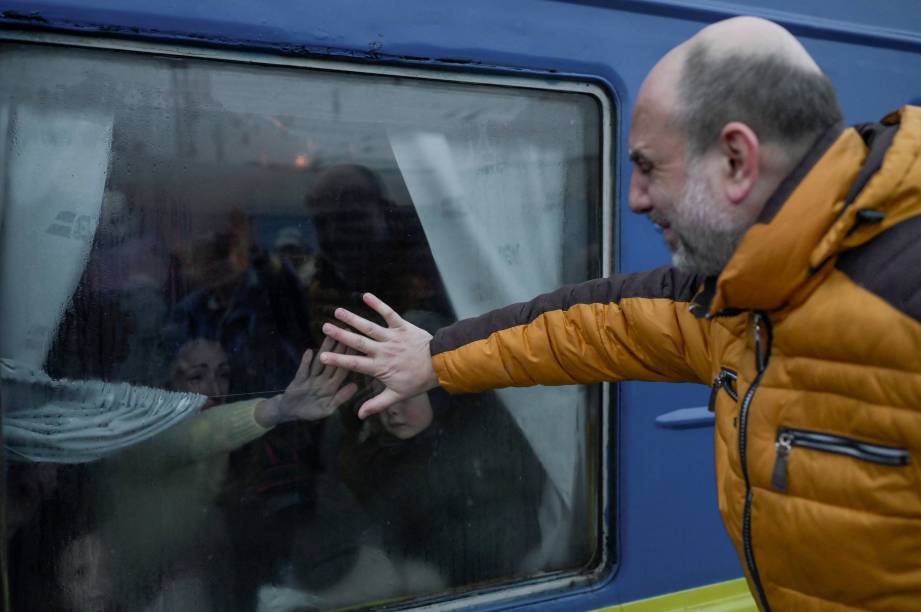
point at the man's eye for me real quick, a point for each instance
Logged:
(641, 163)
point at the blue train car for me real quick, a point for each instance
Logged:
(189, 189)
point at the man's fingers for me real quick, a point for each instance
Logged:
(389, 314)
(352, 340)
(352, 363)
(368, 328)
(378, 403)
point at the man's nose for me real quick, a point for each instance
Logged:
(638, 198)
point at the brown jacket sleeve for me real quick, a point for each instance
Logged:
(634, 326)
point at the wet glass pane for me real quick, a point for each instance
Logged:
(174, 234)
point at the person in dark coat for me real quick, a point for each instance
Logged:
(453, 483)
(367, 242)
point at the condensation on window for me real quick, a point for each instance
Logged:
(174, 234)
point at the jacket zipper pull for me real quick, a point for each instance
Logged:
(784, 445)
(715, 390)
(759, 355)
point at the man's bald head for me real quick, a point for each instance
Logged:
(756, 37)
(718, 123)
(748, 70)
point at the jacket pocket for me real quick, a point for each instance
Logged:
(725, 380)
(788, 439)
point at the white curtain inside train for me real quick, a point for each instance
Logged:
(55, 174)
(493, 217)
(54, 166)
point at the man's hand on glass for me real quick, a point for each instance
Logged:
(314, 393)
(397, 355)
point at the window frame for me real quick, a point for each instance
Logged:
(600, 484)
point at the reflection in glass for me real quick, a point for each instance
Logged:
(175, 233)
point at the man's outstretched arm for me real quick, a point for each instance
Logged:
(397, 355)
(635, 326)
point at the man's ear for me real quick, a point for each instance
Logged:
(741, 156)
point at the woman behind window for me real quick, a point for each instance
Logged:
(162, 494)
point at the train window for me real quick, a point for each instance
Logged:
(175, 231)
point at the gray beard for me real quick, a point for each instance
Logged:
(706, 239)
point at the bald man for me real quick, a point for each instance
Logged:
(795, 292)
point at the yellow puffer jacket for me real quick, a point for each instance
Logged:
(811, 337)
